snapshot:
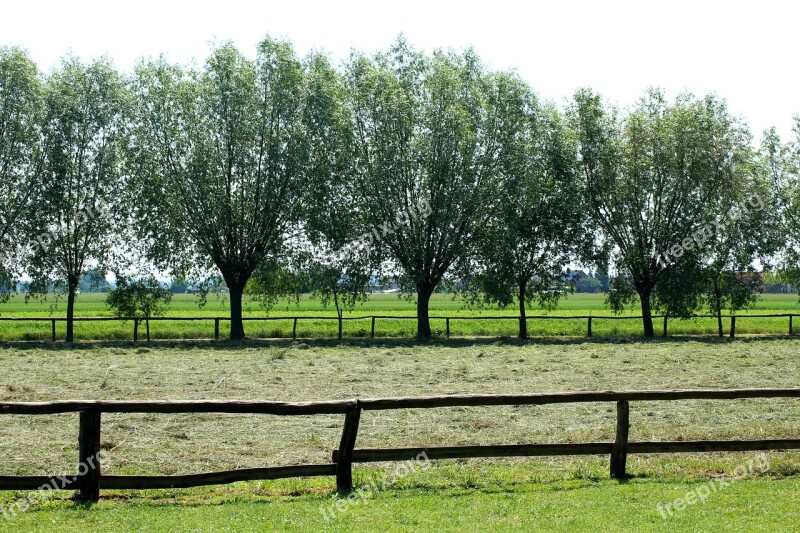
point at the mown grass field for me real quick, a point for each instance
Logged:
(561, 494)
(377, 304)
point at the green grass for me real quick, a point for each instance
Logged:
(760, 504)
(564, 494)
(377, 304)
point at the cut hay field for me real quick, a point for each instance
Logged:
(562, 494)
(185, 305)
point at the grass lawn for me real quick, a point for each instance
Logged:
(476, 495)
(185, 305)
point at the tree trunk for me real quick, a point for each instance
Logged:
(718, 306)
(523, 321)
(72, 287)
(237, 326)
(647, 313)
(338, 311)
(423, 321)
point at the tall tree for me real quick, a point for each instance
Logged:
(750, 231)
(337, 266)
(426, 159)
(20, 153)
(72, 229)
(540, 226)
(220, 156)
(782, 161)
(655, 178)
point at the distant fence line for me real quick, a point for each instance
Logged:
(89, 481)
(374, 318)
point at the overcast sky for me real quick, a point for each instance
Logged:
(745, 52)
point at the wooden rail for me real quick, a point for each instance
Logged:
(374, 318)
(90, 481)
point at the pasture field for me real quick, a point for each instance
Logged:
(555, 494)
(185, 305)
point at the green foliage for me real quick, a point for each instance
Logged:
(139, 298)
(652, 177)
(72, 227)
(782, 161)
(539, 225)
(275, 174)
(221, 159)
(426, 159)
(20, 154)
(273, 281)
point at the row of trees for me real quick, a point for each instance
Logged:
(431, 168)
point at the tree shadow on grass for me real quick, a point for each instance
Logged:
(390, 342)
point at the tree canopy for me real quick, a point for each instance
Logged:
(274, 174)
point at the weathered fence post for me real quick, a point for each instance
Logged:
(54, 329)
(372, 331)
(447, 327)
(135, 330)
(733, 326)
(619, 452)
(340, 324)
(147, 327)
(344, 459)
(589, 328)
(88, 458)
(665, 325)
(294, 328)
(216, 329)
(790, 324)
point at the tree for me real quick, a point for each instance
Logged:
(76, 200)
(220, 158)
(139, 299)
(539, 226)
(337, 267)
(749, 231)
(783, 163)
(20, 153)
(426, 148)
(589, 283)
(655, 180)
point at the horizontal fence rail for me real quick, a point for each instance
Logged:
(89, 481)
(373, 319)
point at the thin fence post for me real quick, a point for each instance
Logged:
(54, 329)
(135, 330)
(147, 327)
(447, 323)
(665, 325)
(372, 331)
(340, 323)
(294, 328)
(344, 459)
(88, 456)
(216, 329)
(619, 451)
(790, 324)
(589, 328)
(733, 326)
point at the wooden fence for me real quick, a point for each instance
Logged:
(89, 481)
(137, 322)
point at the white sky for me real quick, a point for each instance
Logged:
(744, 51)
